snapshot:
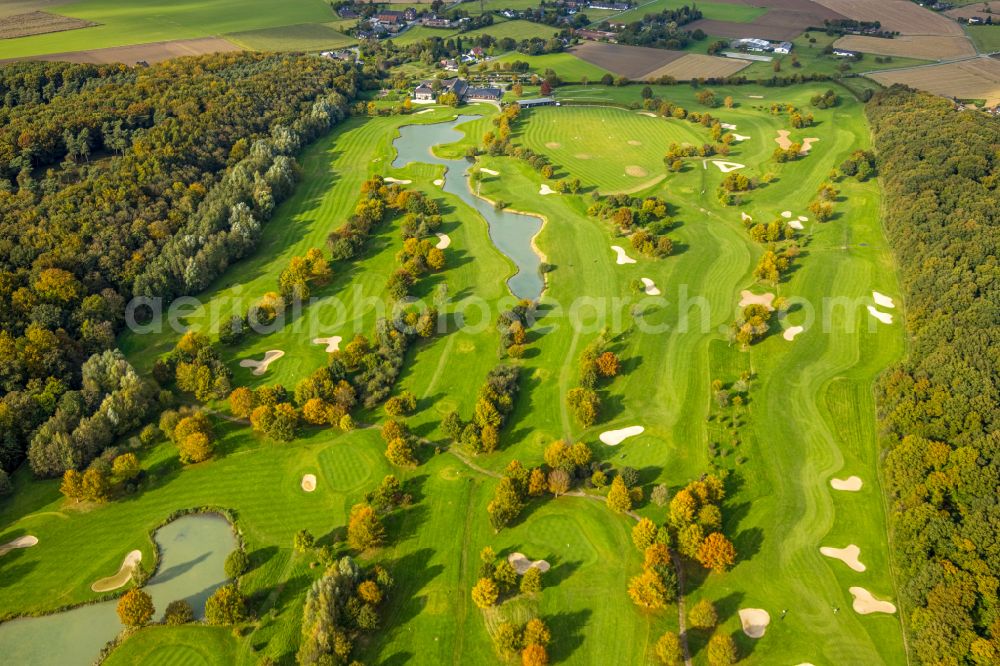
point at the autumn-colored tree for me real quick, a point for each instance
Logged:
(242, 402)
(608, 364)
(485, 593)
(195, 448)
(716, 552)
(316, 411)
(619, 498)
(369, 592)
(721, 650)
(537, 482)
(703, 615)
(534, 655)
(647, 590)
(227, 605)
(364, 528)
(505, 505)
(644, 533)
(178, 612)
(668, 650)
(135, 608)
(536, 632)
(400, 452)
(558, 482)
(72, 485)
(531, 581)
(656, 556)
(505, 575)
(126, 466)
(95, 486)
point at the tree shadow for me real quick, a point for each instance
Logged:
(567, 628)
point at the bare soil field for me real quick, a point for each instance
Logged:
(12, 7)
(130, 55)
(640, 63)
(925, 47)
(976, 9)
(903, 16)
(969, 79)
(697, 66)
(784, 20)
(38, 23)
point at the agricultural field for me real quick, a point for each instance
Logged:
(565, 64)
(38, 23)
(150, 53)
(721, 11)
(302, 37)
(517, 30)
(985, 37)
(640, 63)
(977, 79)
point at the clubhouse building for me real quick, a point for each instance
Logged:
(425, 93)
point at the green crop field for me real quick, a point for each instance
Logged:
(302, 37)
(566, 65)
(123, 23)
(515, 30)
(810, 416)
(985, 37)
(710, 10)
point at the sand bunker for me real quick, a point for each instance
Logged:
(754, 621)
(260, 367)
(123, 576)
(649, 287)
(883, 317)
(390, 179)
(807, 145)
(444, 240)
(851, 484)
(726, 167)
(647, 113)
(791, 332)
(848, 555)
(740, 137)
(865, 603)
(728, 126)
(490, 171)
(521, 563)
(545, 189)
(755, 96)
(622, 257)
(747, 297)
(745, 217)
(787, 214)
(795, 224)
(582, 156)
(784, 141)
(423, 111)
(19, 542)
(553, 144)
(332, 343)
(883, 300)
(616, 437)
(803, 218)
(439, 182)
(309, 483)
(633, 142)
(637, 171)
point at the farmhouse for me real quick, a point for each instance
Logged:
(389, 17)
(783, 47)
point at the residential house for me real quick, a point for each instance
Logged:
(782, 47)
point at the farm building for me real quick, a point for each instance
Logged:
(752, 44)
(483, 94)
(537, 101)
(783, 47)
(460, 87)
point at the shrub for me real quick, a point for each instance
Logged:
(237, 563)
(178, 612)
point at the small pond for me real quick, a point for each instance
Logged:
(511, 233)
(193, 552)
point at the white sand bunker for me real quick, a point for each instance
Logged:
(622, 257)
(545, 189)
(747, 297)
(791, 332)
(260, 367)
(865, 603)
(754, 621)
(19, 542)
(647, 113)
(745, 217)
(784, 141)
(439, 182)
(444, 240)
(883, 300)
(807, 145)
(795, 224)
(332, 343)
(616, 437)
(553, 144)
(883, 317)
(521, 563)
(123, 576)
(309, 483)
(390, 179)
(636, 171)
(848, 555)
(755, 96)
(633, 142)
(726, 167)
(803, 218)
(490, 171)
(649, 287)
(787, 214)
(851, 484)
(728, 126)
(423, 111)
(740, 137)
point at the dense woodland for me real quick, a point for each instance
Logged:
(938, 408)
(118, 182)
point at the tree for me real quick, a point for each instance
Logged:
(619, 498)
(178, 612)
(558, 482)
(537, 482)
(399, 452)
(126, 466)
(703, 616)
(644, 533)
(72, 485)
(721, 650)
(303, 541)
(668, 649)
(364, 528)
(585, 405)
(195, 448)
(534, 655)
(135, 608)
(95, 485)
(531, 581)
(237, 563)
(505, 575)
(716, 552)
(608, 364)
(647, 590)
(485, 593)
(536, 632)
(369, 592)
(227, 605)
(660, 495)
(505, 506)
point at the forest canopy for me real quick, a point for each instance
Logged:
(938, 407)
(118, 182)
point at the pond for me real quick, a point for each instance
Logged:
(193, 551)
(511, 233)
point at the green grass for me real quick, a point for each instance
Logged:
(302, 37)
(515, 30)
(124, 22)
(177, 646)
(985, 37)
(710, 10)
(566, 65)
(810, 416)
